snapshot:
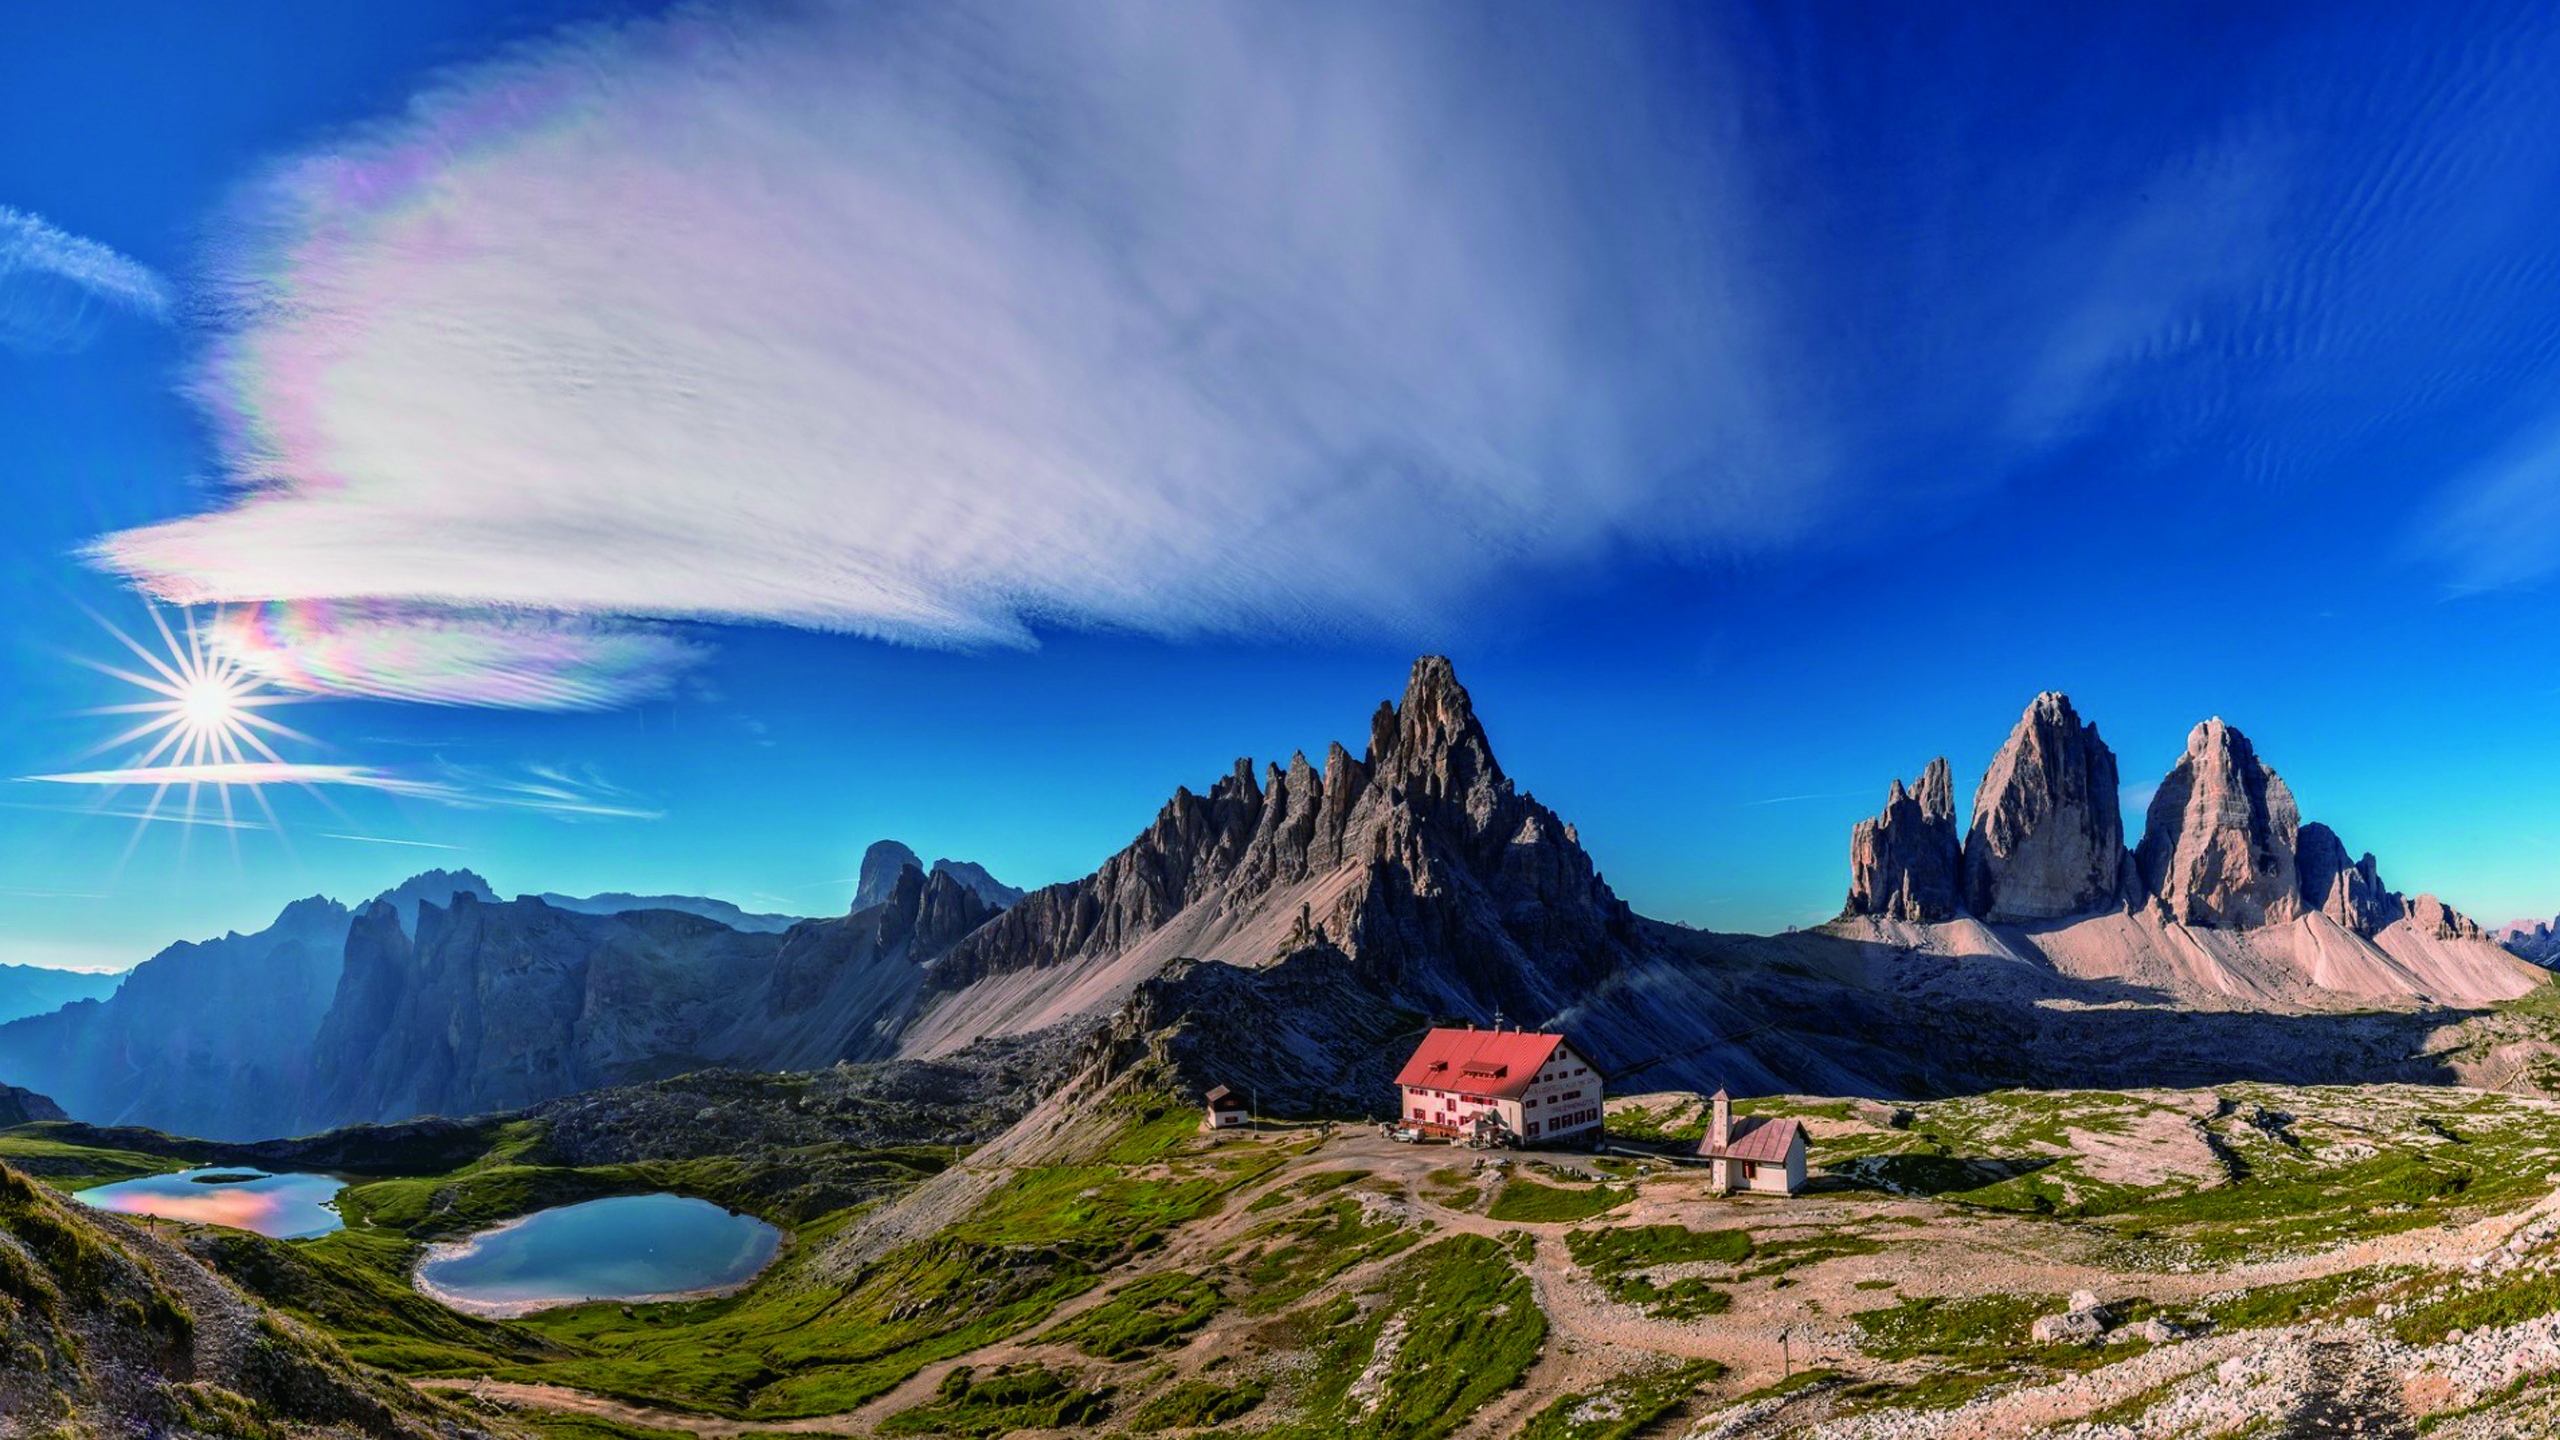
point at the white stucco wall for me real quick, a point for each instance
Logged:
(1567, 1085)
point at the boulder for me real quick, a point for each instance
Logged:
(2072, 1327)
(2047, 839)
(1903, 864)
(2218, 845)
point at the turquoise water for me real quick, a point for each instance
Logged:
(628, 1248)
(287, 1207)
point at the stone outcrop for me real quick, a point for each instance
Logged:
(2218, 845)
(883, 862)
(1904, 863)
(974, 876)
(26, 1107)
(2349, 892)
(2047, 839)
(2432, 916)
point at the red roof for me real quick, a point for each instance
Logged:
(1498, 1064)
(1755, 1138)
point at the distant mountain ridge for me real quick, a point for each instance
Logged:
(496, 1006)
(2535, 940)
(615, 902)
(37, 989)
(885, 858)
(205, 1038)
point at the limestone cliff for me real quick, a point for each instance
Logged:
(497, 1006)
(2218, 844)
(885, 859)
(1904, 863)
(881, 864)
(209, 1038)
(2349, 892)
(2047, 838)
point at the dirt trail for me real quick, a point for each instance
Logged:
(578, 1402)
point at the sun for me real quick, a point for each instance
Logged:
(199, 717)
(211, 704)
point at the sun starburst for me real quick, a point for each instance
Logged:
(201, 719)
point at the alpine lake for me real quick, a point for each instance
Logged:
(281, 1207)
(629, 1248)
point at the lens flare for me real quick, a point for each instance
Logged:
(200, 722)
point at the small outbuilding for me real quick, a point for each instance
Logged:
(1480, 1085)
(1226, 1111)
(1757, 1153)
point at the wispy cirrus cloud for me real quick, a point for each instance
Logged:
(388, 840)
(544, 789)
(55, 286)
(938, 324)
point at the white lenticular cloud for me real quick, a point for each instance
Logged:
(934, 325)
(54, 286)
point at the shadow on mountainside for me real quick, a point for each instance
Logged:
(1900, 1025)
(1316, 1035)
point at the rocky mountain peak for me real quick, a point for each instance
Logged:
(1420, 862)
(886, 860)
(2219, 842)
(881, 864)
(1903, 863)
(433, 887)
(1432, 745)
(929, 912)
(2047, 839)
(2534, 940)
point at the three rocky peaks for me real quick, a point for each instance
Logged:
(2223, 845)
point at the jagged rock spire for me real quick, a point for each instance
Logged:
(1458, 890)
(1432, 746)
(2219, 843)
(2047, 839)
(1903, 863)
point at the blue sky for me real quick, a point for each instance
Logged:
(666, 451)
